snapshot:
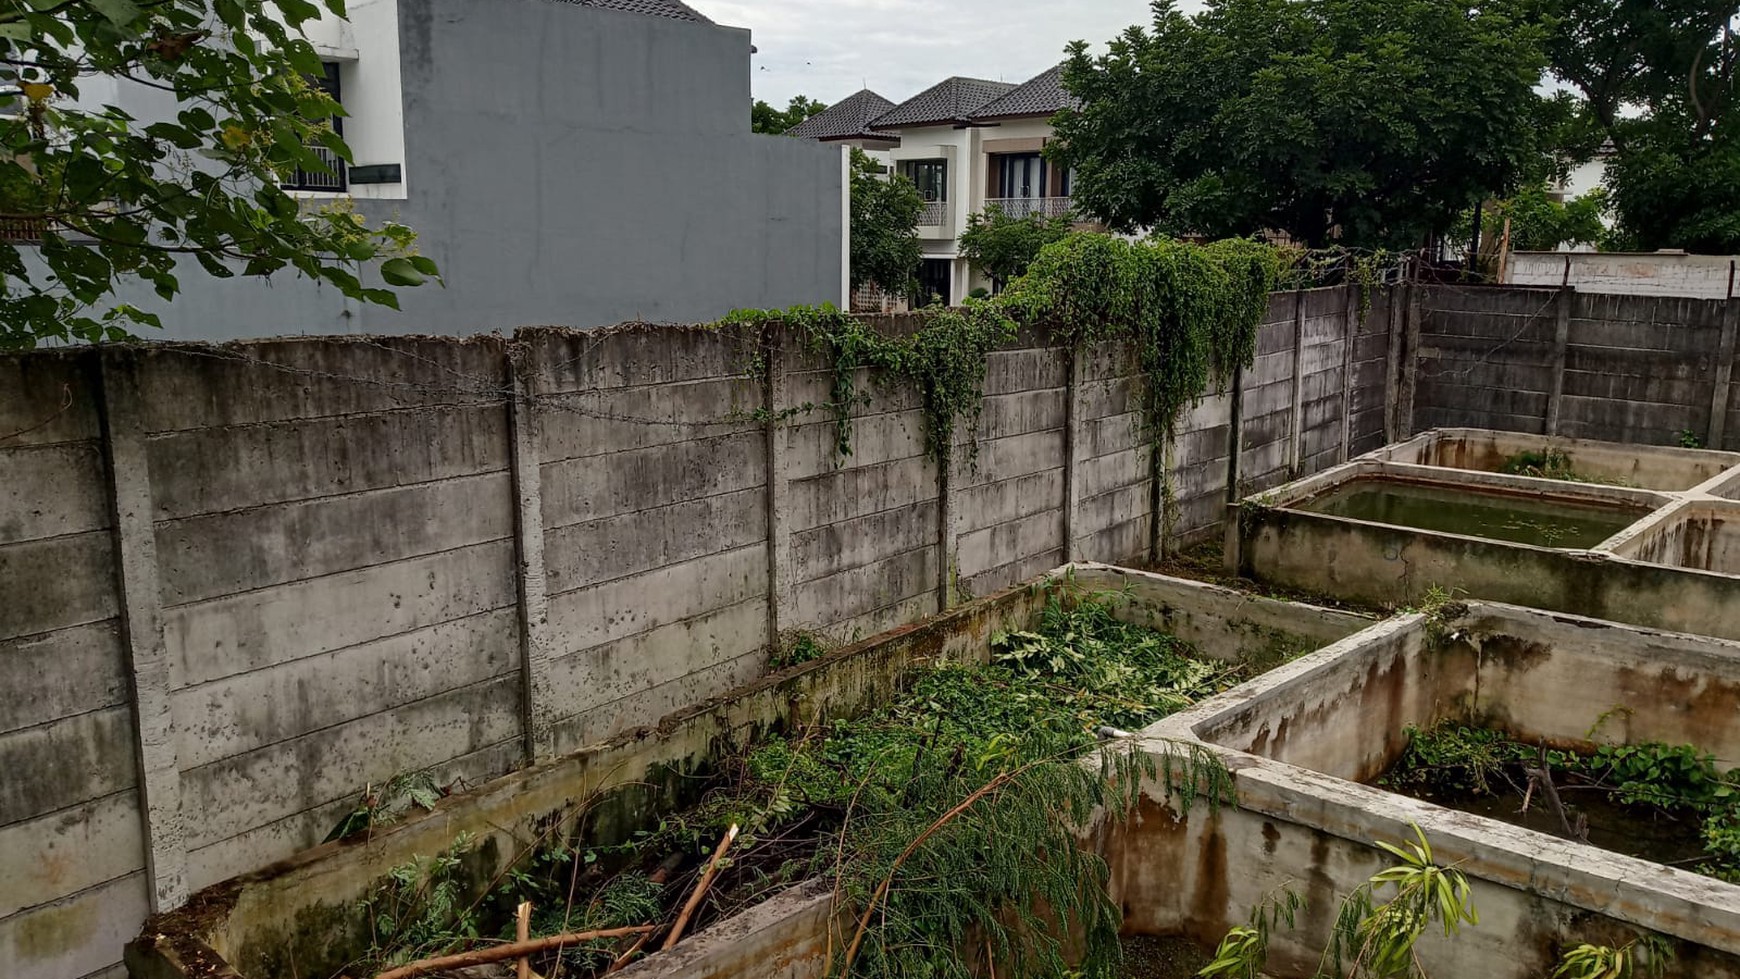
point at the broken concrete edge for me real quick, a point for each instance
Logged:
(1672, 468)
(1665, 900)
(783, 937)
(225, 926)
(1303, 490)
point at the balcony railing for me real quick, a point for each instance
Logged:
(934, 213)
(1047, 207)
(315, 180)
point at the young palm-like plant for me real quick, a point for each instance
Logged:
(1645, 958)
(1378, 940)
(1245, 949)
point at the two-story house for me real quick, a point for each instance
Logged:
(966, 143)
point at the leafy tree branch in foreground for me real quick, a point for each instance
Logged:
(113, 198)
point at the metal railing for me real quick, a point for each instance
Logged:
(315, 180)
(1021, 207)
(934, 213)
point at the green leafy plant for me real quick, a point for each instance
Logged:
(1644, 958)
(400, 794)
(798, 646)
(1690, 439)
(1245, 949)
(1378, 939)
(422, 908)
(1002, 246)
(884, 236)
(1453, 757)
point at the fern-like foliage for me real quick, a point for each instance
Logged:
(1007, 877)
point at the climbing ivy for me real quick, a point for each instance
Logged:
(1192, 312)
(945, 359)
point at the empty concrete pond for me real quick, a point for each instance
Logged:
(1306, 741)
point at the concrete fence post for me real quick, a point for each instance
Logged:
(148, 664)
(1722, 397)
(1561, 348)
(537, 706)
(1392, 364)
(1296, 422)
(1074, 452)
(781, 610)
(948, 537)
(1349, 334)
(1410, 362)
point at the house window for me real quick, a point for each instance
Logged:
(1023, 177)
(935, 278)
(931, 177)
(326, 81)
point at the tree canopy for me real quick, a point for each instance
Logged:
(110, 198)
(885, 212)
(1538, 221)
(1003, 246)
(1654, 81)
(764, 118)
(1363, 122)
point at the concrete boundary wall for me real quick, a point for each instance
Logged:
(240, 585)
(1645, 369)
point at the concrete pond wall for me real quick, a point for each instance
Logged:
(240, 584)
(1300, 740)
(1666, 570)
(299, 917)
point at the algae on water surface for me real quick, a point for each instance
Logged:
(1520, 519)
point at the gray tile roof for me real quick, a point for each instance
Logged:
(947, 101)
(1042, 95)
(674, 9)
(850, 117)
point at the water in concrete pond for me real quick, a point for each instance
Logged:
(1495, 516)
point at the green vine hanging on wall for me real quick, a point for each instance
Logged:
(945, 359)
(1191, 311)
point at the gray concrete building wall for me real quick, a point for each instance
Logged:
(244, 583)
(566, 165)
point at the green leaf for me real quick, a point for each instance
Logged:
(401, 272)
(119, 12)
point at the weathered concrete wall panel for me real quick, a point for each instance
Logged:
(71, 847)
(370, 556)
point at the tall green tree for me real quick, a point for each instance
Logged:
(885, 212)
(1368, 122)
(111, 198)
(1002, 246)
(764, 118)
(1655, 84)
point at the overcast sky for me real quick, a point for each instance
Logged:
(828, 49)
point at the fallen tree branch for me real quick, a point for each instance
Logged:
(522, 934)
(625, 958)
(501, 953)
(700, 890)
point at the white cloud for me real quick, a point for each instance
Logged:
(828, 49)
